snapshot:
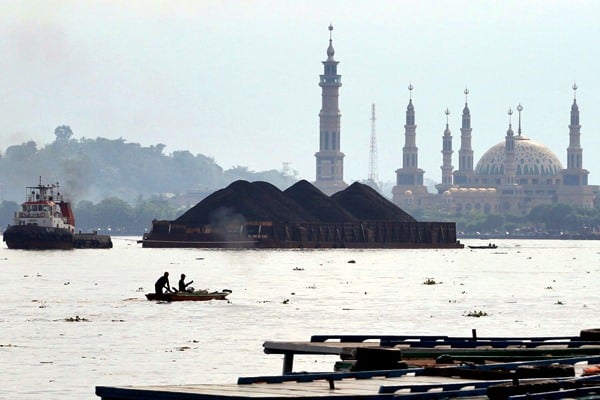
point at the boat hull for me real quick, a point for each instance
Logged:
(33, 237)
(184, 296)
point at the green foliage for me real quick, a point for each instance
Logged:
(107, 180)
(7, 211)
(115, 216)
(547, 218)
(95, 169)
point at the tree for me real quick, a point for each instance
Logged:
(63, 133)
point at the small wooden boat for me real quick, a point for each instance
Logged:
(200, 295)
(489, 246)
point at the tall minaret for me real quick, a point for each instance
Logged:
(330, 160)
(410, 176)
(509, 157)
(464, 173)
(447, 166)
(575, 175)
(410, 152)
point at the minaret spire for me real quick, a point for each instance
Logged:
(575, 175)
(519, 109)
(446, 158)
(329, 158)
(464, 174)
(410, 176)
(509, 148)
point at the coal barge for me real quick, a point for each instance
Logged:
(45, 221)
(259, 215)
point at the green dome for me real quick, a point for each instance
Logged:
(531, 159)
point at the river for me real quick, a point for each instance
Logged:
(74, 320)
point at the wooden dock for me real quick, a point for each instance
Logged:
(484, 370)
(408, 384)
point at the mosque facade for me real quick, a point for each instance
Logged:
(511, 177)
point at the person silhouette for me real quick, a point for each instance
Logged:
(162, 283)
(182, 285)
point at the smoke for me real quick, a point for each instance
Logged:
(227, 224)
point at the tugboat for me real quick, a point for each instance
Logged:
(46, 221)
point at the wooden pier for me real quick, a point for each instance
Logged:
(436, 369)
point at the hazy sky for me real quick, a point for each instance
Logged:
(238, 80)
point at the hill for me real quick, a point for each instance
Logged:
(95, 169)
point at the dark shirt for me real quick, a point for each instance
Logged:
(183, 286)
(160, 284)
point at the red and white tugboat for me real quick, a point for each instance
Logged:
(45, 221)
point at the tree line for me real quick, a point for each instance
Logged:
(110, 216)
(543, 220)
(96, 169)
(118, 217)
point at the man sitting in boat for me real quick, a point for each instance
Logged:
(162, 283)
(183, 287)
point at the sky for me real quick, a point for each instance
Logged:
(238, 80)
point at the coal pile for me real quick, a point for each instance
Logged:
(301, 202)
(321, 207)
(244, 201)
(366, 204)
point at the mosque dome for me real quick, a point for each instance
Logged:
(531, 159)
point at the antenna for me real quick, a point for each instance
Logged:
(373, 149)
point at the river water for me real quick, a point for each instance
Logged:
(74, 320)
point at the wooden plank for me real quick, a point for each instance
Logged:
(347, 388)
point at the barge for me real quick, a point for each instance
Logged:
(258, 215)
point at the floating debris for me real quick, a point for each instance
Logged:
(76, 319)
(476, 314)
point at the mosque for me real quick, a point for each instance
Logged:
(511, 177)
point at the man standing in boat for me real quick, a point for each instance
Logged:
(162, 283)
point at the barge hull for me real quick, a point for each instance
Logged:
(275, 235)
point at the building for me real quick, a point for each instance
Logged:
(330, 160)
(511, 177)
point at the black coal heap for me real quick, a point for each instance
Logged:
(256, 201)
(323, 208)
(366, 204)
(301, 202)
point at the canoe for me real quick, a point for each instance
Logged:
(201, 295)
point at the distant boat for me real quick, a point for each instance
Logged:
(200, 295)
(489, 246)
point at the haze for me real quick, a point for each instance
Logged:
(238, 80)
